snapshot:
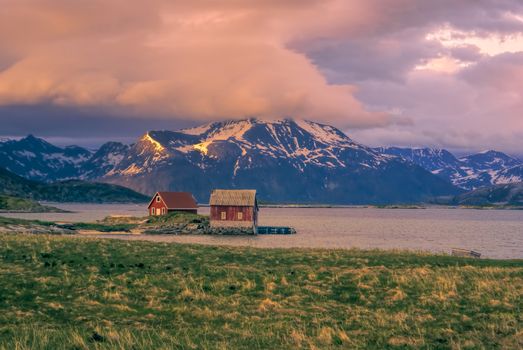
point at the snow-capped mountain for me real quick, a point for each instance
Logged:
(286, 160)
(299, 143)
(104, 160)
(428, 158)
(470, 172)
(36, 159)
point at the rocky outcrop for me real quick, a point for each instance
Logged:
(196, 229)
(35, 229)
(177, 229)
(231, 231)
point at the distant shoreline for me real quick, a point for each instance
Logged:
(329, 206)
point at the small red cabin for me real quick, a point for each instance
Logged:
(234, 208)
(168, 202)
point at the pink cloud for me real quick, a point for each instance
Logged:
(346, 62)
(204, 61)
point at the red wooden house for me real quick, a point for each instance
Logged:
(234, 208)
(168, 202)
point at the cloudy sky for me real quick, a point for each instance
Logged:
(440, 73)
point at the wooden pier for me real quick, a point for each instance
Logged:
(465, 253)
(275, 230)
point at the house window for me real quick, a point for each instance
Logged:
(158, 198)
(223, 215)
(240, 216)
(163, 210)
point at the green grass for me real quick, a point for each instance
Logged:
(115, 223)
(17, 204)
(80, 293)
(176, 218)
(101, 227)
(126, 224)
(4, 221)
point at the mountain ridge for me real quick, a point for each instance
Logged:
(468, 172)
(307, 161)
(286, 160)
(37, 159)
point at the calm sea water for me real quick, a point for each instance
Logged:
(494, 233)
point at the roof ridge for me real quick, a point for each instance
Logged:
(240, 197)
(177, 200)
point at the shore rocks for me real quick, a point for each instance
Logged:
(196, 229)
(35, 229)
(233, 231)
(176, 229)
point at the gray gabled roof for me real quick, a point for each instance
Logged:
(233, 197)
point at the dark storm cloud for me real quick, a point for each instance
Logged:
(466, 53)
(89, 127)
(385, 57)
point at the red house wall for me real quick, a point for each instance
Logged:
(155, 205)
(232, 213)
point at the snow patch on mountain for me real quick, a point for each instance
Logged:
(324, 133)
(26, 154)
(198, 130)
(214, 132)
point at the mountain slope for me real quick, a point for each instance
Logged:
(67, 191)
(36, 159)
(428, 158)
(103, 160)
(14, 185)
(507, 194)
(470, 172)
(285, 160)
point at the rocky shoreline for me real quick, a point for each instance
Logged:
(176, 224)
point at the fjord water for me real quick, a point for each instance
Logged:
(494, 233)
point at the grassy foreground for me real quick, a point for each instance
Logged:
(79, 293)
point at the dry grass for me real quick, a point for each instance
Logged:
(72, 293)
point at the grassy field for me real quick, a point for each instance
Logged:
(79, 293)
(17, 204)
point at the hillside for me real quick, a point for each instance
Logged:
(67, 191)
(16, 204)
(499, 195)
(112, 294)
(12, 184)
(89, 192)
